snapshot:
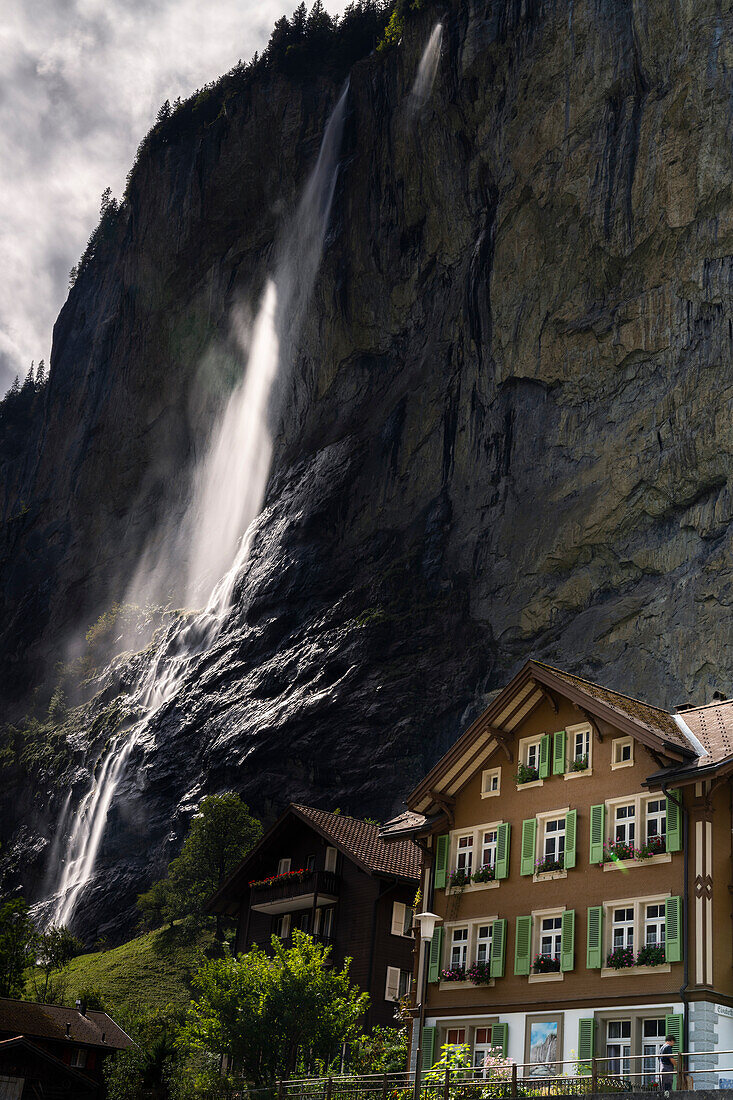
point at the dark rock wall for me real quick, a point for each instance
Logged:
(508, 429)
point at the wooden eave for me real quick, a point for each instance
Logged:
(532, 685)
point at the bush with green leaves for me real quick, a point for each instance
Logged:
(18, 943)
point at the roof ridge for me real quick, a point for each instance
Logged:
(339, 816)
(621, 694)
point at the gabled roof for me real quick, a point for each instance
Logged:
(712, 727)
(39, 1021)
(358, 840)
(533, 684)
(19, 1042)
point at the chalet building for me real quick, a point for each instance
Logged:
(578, 854)
(52, 1051)
(335, 878)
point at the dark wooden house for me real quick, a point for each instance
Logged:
(55, 1052)
(335, 878)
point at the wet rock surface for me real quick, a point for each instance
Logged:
(509, 425)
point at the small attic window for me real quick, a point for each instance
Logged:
(491, 783)
(622, 752)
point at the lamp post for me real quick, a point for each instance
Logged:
(427, 922)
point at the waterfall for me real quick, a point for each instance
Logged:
(426, 70)
(229, 489)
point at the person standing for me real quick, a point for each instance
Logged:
(666, 1065)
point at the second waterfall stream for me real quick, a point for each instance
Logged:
(228, 491)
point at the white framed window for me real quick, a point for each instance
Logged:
(531, 752)
(405, 982)
(656, 819)
(327, 922)
(622, 928)
(554, 839)
(580, 745)
(652, 1037)
(455, 1036)
(402, 918)
(624, 823)
(282, 926)
(618, 1047)
(79, 1058)
(488, 847)
(458, 948)
(397, 984)
(481, 1046)
(550, 936)
(283, 866)
(483, 942)
(464, 853)
(654, 924)
(622, 752)
(491, 783)
(331, 859)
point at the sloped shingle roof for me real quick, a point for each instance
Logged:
(361, 839)
(49, 1022)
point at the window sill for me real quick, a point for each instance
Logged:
(554, 976)
(549, 875)
(466, 985)
(579, 775)
(472, 887)
(622, 764)
(625, 864)
(490, 794)
(611, 972)
(526, 786)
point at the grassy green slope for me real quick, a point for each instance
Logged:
(150, 971)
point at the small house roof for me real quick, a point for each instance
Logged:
(40, 1021)
(19, 1042)
(359, 840)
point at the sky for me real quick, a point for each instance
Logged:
(80, 84)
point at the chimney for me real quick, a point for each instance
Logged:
(83, 1006)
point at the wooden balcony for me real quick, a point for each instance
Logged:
(314, 888)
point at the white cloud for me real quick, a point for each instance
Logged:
(80, 84)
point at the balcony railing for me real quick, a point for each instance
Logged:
(314, 887)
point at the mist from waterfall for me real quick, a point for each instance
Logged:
(229, 486)
(426, 70)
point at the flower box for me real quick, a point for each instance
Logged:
(546, 964)
(484, 874)
(479, 973)
(287, 876)
(459, 878)
(616, 850)
(547, 863)
(454, 974)
(651, 955)
(525, 774)
(620, 958)
(580, 764)
(655, 846)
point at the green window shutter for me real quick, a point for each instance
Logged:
(597, 829)
(428, 1047)
(498, 948)
(571, 829)
(567, 945)
(522, 945)
(586, 1043)
(500, 1037)
(558, 753)
(674, 822)
(673, 930)
(436, 953)
(545, 750)
(441, 861)
(503, 834)
(594, 953)
(674, 1025)
(529, 841)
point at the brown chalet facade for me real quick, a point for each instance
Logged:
(55, 1052)
(335, 878)
(579, 854)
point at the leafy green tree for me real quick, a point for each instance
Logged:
(18, 942)
(383, 1050)
(57, 947)
(160, 904)
(263, 1011)
(146, 1070)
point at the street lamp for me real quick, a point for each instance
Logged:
(427, 922)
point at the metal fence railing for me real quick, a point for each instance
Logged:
(638, 1073)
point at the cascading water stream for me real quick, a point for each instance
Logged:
(229, 489)
(426, 70)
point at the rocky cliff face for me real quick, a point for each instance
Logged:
(509, 426)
